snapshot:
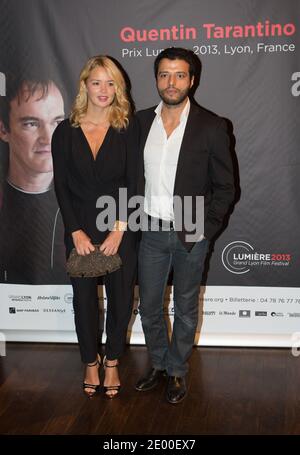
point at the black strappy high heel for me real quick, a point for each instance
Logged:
(111, 388)
(95, 387)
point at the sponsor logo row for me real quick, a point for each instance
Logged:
(249, 314)
(170, 311)
(67, 298)
(14, 310)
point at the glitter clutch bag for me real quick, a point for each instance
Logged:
(92, 265)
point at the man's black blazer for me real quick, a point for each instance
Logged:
(204, 166)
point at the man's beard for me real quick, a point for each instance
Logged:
(182, 94)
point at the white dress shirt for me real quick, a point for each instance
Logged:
(161, 157)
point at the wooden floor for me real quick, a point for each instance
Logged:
(232, 391)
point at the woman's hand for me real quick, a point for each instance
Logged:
(82, 243)
(112, 242)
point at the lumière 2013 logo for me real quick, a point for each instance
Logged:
(239, 257)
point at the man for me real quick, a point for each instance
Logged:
(31, 230)
(186, 153)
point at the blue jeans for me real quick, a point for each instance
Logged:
(159, 251)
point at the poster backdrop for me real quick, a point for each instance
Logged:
(251, 76)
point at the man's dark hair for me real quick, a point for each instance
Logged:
(178, 53)
(16, 80)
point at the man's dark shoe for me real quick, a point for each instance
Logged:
(150, 381)
(176, 389)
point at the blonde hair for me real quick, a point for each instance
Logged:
(120, 109)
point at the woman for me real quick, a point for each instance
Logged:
(94, 155)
